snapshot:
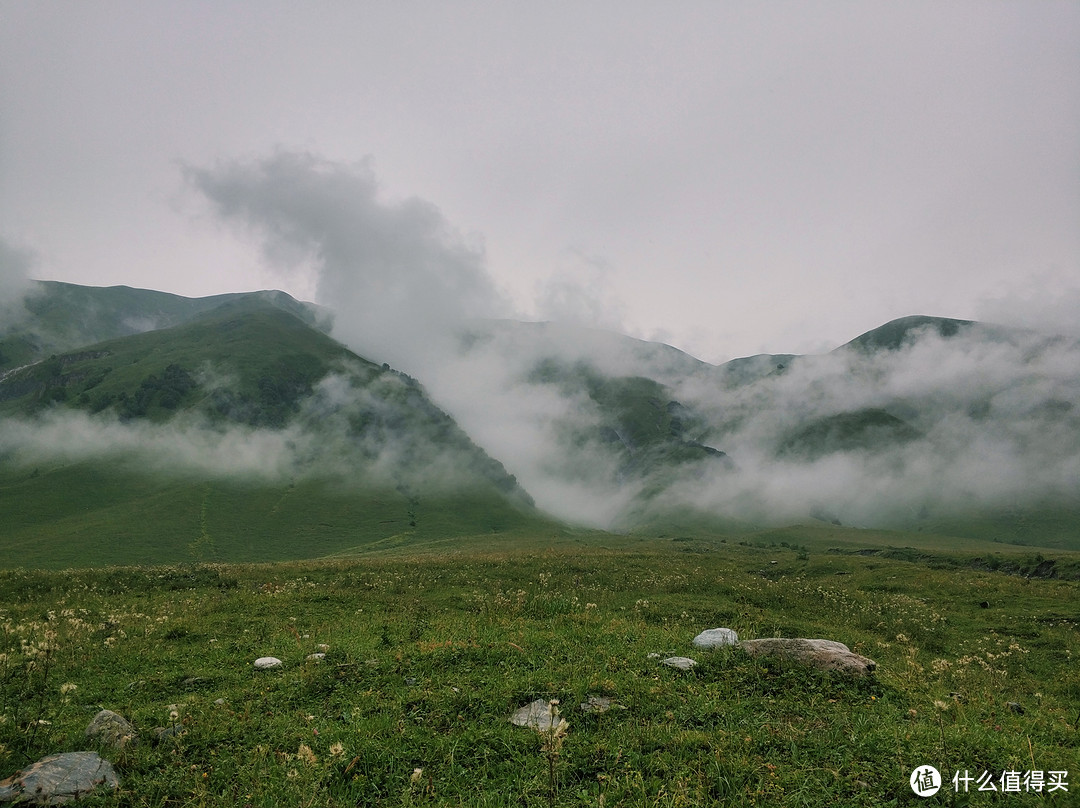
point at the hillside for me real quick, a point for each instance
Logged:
(236, 428)
(924, 423)
(60, 317)
(242, 433)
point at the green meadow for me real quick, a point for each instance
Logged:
(433, 645)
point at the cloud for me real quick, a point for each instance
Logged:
(15, 282)
(581, 295)
(1042, 302)
(397, 274)
(995, 411)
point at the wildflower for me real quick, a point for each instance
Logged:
(417, 773)
(337, 749)
(306, 755)
(68, 687)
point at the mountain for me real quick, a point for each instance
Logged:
(243, 429)
(922, 423)
(139, 426)
(59, 317)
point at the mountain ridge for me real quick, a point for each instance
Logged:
(922, 423)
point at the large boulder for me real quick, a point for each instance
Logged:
(57, 779)
(112, 730)
(825, 655)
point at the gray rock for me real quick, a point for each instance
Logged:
(540, 715)
(316, 657)
(825, 655)
(599, 704)
(267, 663)
(57, 779)
(716, 638)
(165, 733)
(110, 729)
(680, 662)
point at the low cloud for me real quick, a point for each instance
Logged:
(994, 410)
(397, 275)
(15, 267)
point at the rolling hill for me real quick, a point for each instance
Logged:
(141, 426)
(241, 433)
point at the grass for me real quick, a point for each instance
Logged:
(430, 653)
(96, 514)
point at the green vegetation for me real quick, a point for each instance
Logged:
(255, 362)
(896, 333)
(868, 429)
(429, 654)
(98, 514)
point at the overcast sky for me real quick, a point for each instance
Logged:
(728, 177)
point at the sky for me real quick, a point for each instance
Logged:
(729, 178)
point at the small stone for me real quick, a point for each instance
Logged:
(1015, 707)
(58, 779)
(539, 715)
(220, 702)
(716, 638)
(267, 663)
(164, 733)
(110, 729)
(319, 657)
(410, 681)
(680, 662)
(599, 704)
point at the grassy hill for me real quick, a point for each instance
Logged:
(240, 434)
(60, 317)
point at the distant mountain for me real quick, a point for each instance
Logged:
(897, 333)
(923, 421)
(145, 426)
(59, 317)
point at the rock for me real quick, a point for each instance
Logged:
(599, 704)
(1016, 707)
(165, 733)
(57, 779)
(110, 729)
(540, 715)
(220, 702)
(317, 657)
(716, 638)
(680, 662)
(267, 663)
(825, 655)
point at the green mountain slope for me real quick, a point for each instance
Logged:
(243, 433)
(60, 317)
